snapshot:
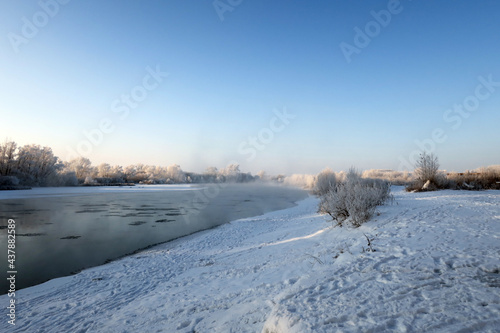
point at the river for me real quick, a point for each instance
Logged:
(60, 231)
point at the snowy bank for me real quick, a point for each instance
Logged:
(435, 268)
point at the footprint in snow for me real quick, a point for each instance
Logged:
(184, 324)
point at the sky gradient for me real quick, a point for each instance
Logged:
(235, 70)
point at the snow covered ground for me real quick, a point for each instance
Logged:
(436, 268)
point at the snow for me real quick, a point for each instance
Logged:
(435, 268)
(38, 192)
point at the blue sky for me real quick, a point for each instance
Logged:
(228, 78)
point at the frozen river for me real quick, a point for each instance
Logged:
(63, 230)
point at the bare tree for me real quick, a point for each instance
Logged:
(426, 168)
(7, 158)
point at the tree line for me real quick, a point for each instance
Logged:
(34, 165)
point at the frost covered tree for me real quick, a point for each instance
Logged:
(117, 171)
(262, 175)
(175, 174)
(230, 173)
(211, 171)
(108, 174)
(129, 173)
(64, 177)
(154, 174)
(209, 176)
(135, 173)
(299, 180)
(7, 158)
(32, 165)
(231, 170)
(35, 164)
(104, 170)
(325, 181)
(82, 167)
(38, 166)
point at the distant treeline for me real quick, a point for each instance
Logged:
(483, 178)
(33, 165)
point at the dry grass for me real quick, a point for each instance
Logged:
(481, 179)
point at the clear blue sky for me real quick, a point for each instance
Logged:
(227, 77)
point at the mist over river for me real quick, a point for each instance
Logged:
(60, 231)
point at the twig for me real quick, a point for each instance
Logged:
(317, 259)
(370, 248)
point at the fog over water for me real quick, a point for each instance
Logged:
(60, 234)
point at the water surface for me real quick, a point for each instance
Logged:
(59, 234)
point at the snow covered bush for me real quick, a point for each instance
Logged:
(354, 198)
(325, 181)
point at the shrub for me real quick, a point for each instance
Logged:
(325, 181)
(427, 167)
(480, 179)
(426, 175)
(354, 198)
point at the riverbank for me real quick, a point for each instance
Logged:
(60, 231)
(432, 265)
